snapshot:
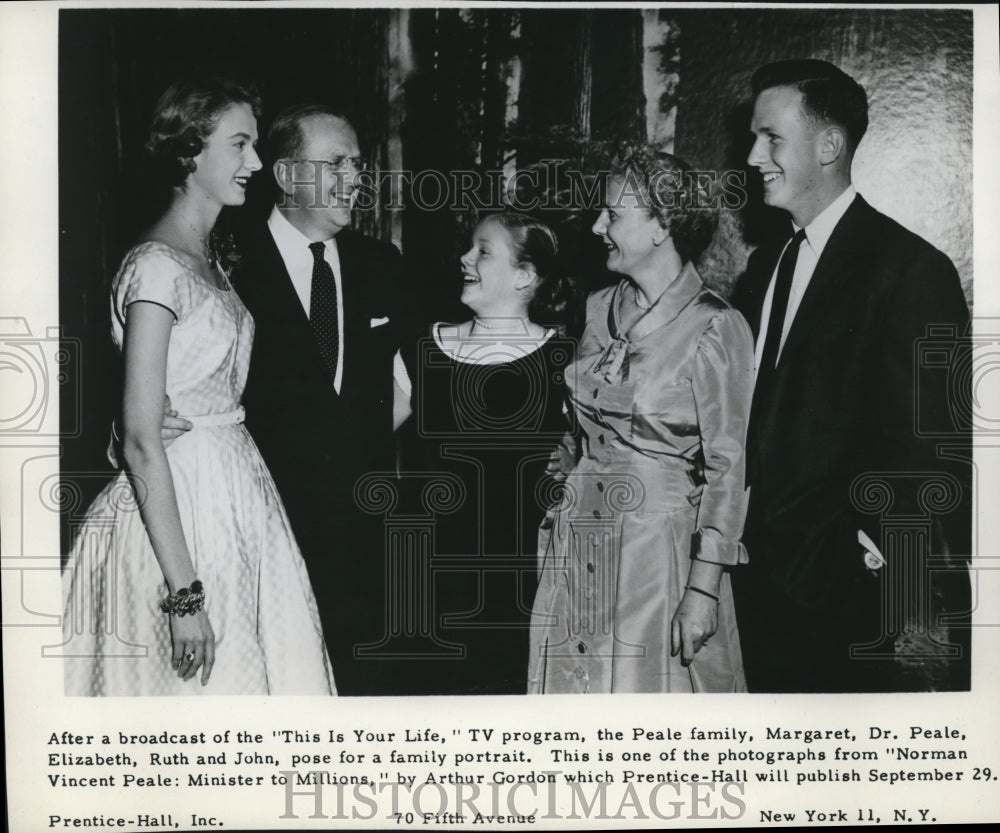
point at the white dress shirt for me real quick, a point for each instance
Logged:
(293, 246)
(817, 234)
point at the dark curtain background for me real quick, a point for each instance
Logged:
(443, 105)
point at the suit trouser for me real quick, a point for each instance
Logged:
(345, 558)
(846, 642)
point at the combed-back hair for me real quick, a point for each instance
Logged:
(534, 243)
(829, 95)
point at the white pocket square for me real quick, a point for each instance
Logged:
(874, 560)
(378, 322)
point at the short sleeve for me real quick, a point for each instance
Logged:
(151, 273)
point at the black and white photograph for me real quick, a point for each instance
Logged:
(370, 371)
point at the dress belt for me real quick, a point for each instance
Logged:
(211, 420)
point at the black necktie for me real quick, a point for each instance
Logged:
(779, 306)
(769, 358)
(323, 309)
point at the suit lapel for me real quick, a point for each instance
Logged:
(272, 299)
(353, 304)
(277, 296)
(839, 261)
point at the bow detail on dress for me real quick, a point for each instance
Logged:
(614, 362)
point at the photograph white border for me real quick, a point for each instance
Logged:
(35, 706)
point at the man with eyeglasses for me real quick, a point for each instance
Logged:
(323, 372)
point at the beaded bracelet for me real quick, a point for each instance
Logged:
(184, 601)
(712, 596)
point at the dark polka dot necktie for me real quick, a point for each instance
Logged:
(323, 309)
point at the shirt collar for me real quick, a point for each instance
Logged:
(293, 245)
(819, 230)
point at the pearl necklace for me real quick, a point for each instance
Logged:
(639, 302)
(478, 322)
(502, 327)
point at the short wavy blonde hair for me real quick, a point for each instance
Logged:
(681, 201)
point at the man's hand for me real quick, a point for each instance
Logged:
(173, 426)
(554, 466)
(562, 460)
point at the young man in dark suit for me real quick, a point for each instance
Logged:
(324, 368)
(836, 597)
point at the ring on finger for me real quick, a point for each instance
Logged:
(189, 656)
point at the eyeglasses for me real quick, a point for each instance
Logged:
(343, 163)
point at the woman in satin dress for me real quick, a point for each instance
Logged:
(633, 591)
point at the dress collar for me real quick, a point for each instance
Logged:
(614, 363)
(662, 311)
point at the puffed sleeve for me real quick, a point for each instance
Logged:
(152, 274)
(722, 384)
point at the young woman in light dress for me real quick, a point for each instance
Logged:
(185, 577)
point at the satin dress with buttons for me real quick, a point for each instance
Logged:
(663, 409)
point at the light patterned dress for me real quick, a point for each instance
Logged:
(258, 596)
(663, 409)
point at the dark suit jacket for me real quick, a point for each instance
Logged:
(315, 441)
(848, 397)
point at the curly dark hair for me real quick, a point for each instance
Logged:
(536, 244)
(185, 116)
(673, 193)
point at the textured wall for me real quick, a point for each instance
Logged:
(914, 164)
